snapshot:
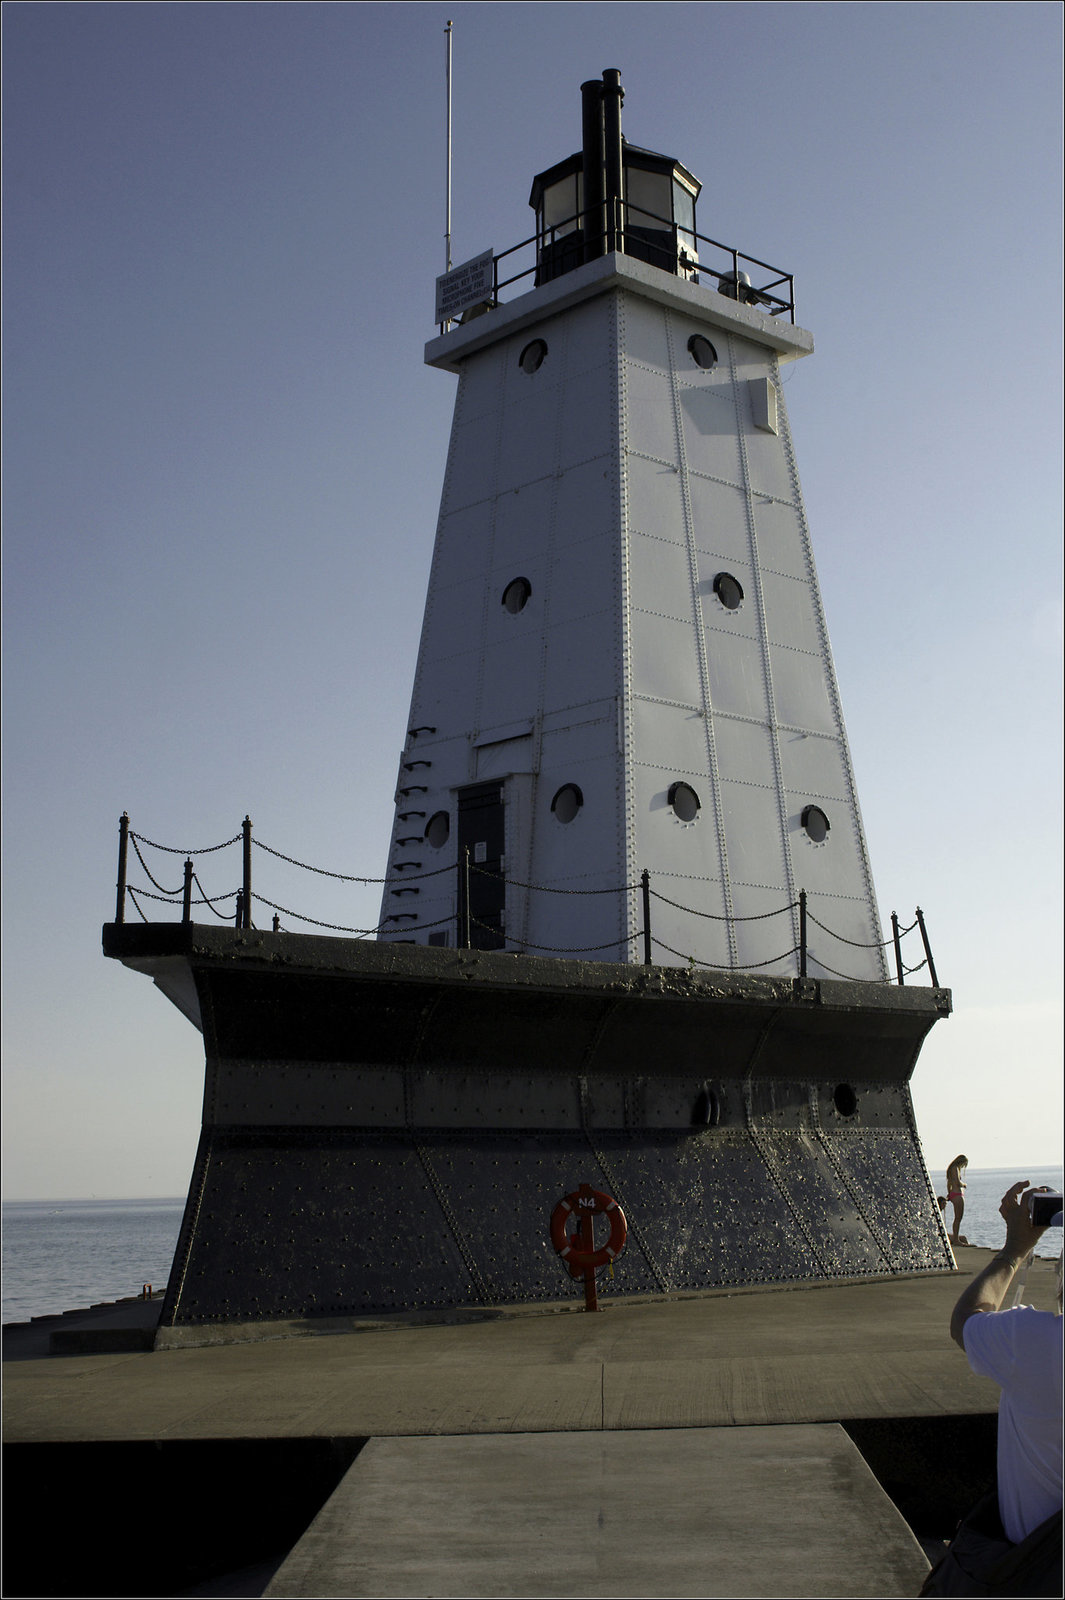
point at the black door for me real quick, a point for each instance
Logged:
(481, 831)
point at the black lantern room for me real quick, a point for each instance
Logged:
(612, 195)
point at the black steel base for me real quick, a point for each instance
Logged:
(388, 1128)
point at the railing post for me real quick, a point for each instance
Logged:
(123, 851)
(927, 949)
(238, 920)
(186, 895)
(465, 930)
(898, 947)
(645, 885)
(802, 933)
(246, 923)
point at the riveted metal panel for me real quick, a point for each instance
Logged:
(492, 1100)
(575, 669)
(802, 690)
(280, 1093)
(737, 673)
(649, 408)
(654, 498)
(665, 662)
(660, 575)
(671, 739)
(888, 1178)
(782, 544)
(719, 524)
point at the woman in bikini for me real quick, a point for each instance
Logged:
(954, 1194)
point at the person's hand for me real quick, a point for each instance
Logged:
(1021, 1236)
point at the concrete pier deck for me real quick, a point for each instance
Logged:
(725, 1409)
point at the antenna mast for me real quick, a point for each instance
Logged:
(447, 234)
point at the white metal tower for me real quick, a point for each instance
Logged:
(624, 664)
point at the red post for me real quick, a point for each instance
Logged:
(586, 1238)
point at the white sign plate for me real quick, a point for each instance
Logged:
(464, 286)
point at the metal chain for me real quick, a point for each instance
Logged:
(875, 944)
(338, 927)
(543, 888)
(343, 877)
(144, 864)
(749, 966)
(570, 950)
(716, 916)
(133, 896)
(174, 851)
(232, 895)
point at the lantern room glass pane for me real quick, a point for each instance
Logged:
(684, 216)
(561, 204)
(648, 198)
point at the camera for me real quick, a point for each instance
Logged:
(1043, 1209)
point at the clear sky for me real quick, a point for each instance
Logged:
(224, 457)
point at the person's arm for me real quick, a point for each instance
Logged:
(988, 1289)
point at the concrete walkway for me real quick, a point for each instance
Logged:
(791, 1511)
(818, 1354)
(673, 1447)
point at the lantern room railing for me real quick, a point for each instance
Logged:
(730, 272)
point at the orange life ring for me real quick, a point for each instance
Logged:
(587, 1201)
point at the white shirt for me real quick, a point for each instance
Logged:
(1021, 1350)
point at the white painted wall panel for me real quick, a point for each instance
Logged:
(711, 443)
(814, 768)
(665, 660)
(778, 533)
(510, 679)
(655, 499)
(767, 465)
(790, 615)
(660, 573)
(673, 740)
(737, 673)
(649, 409)
(575, 670)
(719, 519)
(523, 522)
(800, 687)
(754, 847)
(646, 335)
(746, 751)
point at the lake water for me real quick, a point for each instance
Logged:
(62, 1255)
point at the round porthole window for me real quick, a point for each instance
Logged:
(729, 591)
(816, 824)
(702, 352)
(844, 1099)
(567, 802)
(532, 357)
(516, 595)
(685, 802)
(437, 829)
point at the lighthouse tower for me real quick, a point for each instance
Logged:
(625, 749)
(625, 740)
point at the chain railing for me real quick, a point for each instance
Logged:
(235, 906)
